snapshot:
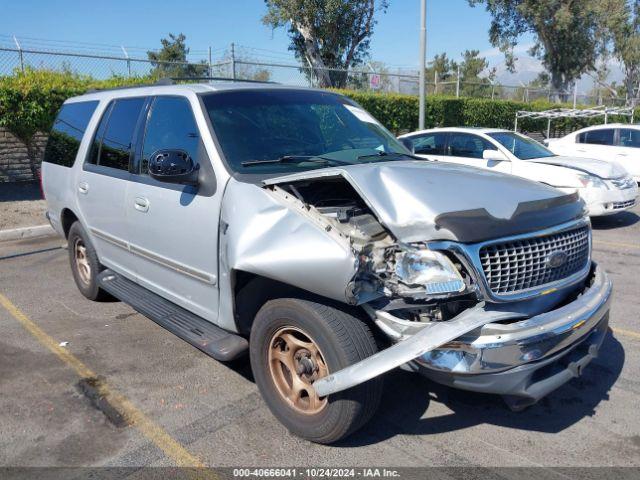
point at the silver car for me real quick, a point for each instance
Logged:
(289, 224)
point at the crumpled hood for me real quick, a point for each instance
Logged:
(599, 168)
(421, 201)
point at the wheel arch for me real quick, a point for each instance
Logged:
(67, 218)
(251, 291)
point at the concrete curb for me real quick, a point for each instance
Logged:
(27, 232)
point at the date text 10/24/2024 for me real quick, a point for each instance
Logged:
(315, 472)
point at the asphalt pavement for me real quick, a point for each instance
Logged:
(96, 384)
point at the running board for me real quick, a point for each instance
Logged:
(202, 334)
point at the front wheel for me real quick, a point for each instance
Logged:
(294, 343)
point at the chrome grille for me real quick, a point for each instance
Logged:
(522, 264)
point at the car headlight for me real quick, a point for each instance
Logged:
(591, 181)
(428, 269)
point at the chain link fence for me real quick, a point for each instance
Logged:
(231, 66)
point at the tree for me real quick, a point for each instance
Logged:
(623, 24)
(442, 66)
(567, 34)
(326, 34)
(440, 69)
(171, 59)
(471, 67)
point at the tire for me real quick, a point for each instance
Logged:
(341, 340)
(85, 271)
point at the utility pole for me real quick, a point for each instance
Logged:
(423, 57)
(575, 93)
(458, 83)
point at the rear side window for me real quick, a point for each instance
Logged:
(467, 145)
(113, 141)
(429, 144)
(171, 125)
(602, 136)
(629, 138)
(67, 132)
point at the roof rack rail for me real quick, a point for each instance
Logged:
(172, 80)
(223, 79)
(161, 81)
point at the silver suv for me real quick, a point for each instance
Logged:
(289, 224)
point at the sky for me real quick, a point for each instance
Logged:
(452, 27)
(101, 27)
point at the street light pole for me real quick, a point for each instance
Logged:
(423, 55)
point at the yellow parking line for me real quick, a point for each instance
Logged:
(627, 333)
(616, 244)
(128, 410)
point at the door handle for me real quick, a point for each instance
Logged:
(83, 188)
(141, 204)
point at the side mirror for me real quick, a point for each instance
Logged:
(173, 166)
(494, 156)
(408, 143)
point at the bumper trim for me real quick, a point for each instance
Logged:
(563, 327)
(524, 385)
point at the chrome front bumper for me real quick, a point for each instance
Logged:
(482, 341)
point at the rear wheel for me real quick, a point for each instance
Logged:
(85, 266)
(294, 343)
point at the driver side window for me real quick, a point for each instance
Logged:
(171, 125)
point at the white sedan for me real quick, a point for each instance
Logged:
(613, 142)
(605, 187)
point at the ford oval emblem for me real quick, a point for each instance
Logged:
(556, 259)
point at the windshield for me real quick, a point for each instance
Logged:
(279, 131)
(522, 147)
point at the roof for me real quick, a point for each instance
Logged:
(483, 130)
(147, 90)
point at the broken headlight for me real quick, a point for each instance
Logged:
(428, 269)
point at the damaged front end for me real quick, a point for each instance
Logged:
(456, 303)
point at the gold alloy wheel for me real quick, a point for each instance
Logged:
(82, 262)
(295, 362)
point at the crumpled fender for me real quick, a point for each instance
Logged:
(261, 233)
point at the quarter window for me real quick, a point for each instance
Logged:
(113, 141)
(629, 138)
(468, 146)
(171, 125)
(67, 132)
(603, 136)
(429, 144)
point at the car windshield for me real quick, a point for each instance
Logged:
(282, 130)
(522, 147)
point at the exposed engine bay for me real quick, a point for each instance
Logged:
(382, 276)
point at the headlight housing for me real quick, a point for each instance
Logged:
(591, 181)
(428, 269)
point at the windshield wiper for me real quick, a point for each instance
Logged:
(296, 159)
(386, 154)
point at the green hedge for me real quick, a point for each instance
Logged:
(30, 100)
(399, 113)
